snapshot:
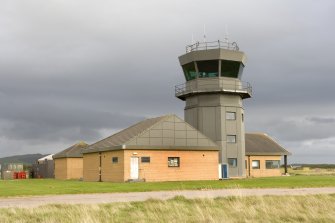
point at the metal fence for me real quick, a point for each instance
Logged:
(188, 88)
(212, 45)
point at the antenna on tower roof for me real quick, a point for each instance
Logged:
(226, 38)
(204, 33)
(192, 40)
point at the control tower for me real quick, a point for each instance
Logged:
(213, 93)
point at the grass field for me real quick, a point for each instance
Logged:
(312, 208)
(51, 186)
(312, 170)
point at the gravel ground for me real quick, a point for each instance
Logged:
(34, 201)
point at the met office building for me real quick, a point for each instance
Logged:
(212, 134)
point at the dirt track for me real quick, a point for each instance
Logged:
(34, 201)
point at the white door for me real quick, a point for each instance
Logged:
(134, 168)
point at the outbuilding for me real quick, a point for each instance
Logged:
(69, 162)
(263, 156)
(165, 148)
(44, 167)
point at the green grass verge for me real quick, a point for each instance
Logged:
(51, 186)
(311, 208)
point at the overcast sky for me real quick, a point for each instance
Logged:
(74, 70)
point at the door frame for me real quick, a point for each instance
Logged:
(223, 165)
(138, 168)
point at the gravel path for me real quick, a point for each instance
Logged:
(34, 201)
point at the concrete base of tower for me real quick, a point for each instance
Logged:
(235, 163)
(220, 117)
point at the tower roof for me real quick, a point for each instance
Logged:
(213, 54)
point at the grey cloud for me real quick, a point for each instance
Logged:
(322, 120)
(312, 151)
(45, 122)
(298, 129)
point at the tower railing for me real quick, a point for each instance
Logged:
(212, 45)
(237, 87)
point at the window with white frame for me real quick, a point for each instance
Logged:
(231, 115)
(173, 161)
(255, 164)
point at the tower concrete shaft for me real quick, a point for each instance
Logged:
(213, 93)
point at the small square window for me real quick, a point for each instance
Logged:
(232, 162)
(145, 159)
(231, 115)
(173, 161)
(115, 159)
(231, 138)
(255, 164)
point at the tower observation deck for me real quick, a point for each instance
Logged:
(207, 65)
(213, 94)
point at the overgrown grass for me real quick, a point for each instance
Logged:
(311, 208)
(51, 186)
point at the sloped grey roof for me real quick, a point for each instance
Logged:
(74, 151)
(262, 144)
(156, 133)
(125, 135)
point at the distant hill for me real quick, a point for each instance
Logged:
(324, 166)
(26, 159)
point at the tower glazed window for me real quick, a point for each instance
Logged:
(232, 69)
(208, 68)
(232, 162)
(189, 71)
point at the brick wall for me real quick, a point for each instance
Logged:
(262, 171)
(113, 172)
(194, 165)
(74, 168)
(61, 169)
(91, 167)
